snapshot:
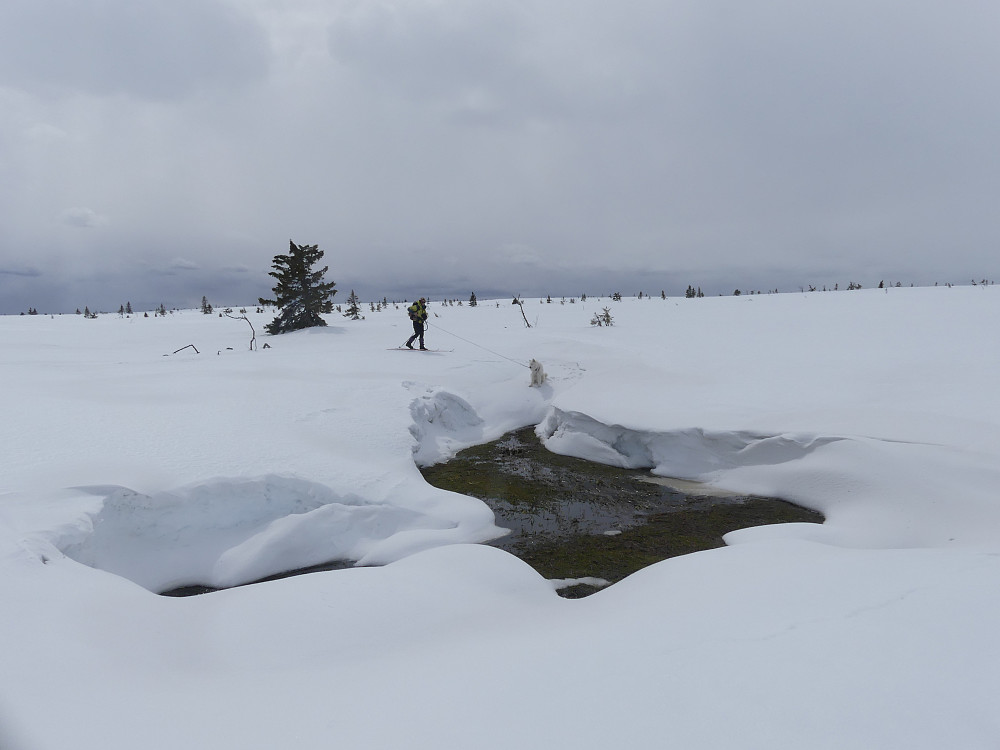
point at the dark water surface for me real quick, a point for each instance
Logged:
(571, 518)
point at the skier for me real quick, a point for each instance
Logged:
(418, 314)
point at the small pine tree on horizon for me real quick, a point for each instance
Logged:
(301, 294)
(353, 310)
(602, 319)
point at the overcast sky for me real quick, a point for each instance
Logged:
(160, 150)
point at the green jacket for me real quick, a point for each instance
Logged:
(417, 311)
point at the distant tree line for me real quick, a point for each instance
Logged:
(302, 295)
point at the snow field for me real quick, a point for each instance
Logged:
(129, 468)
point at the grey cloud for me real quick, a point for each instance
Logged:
(104, 288)
(83, 217)
(173, 266)
(426, 49)
(535, 147)
(45, 132)
(160, 49)
(27, 271)
(482, 62)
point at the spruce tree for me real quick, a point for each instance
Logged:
(301, 294)
(353, 307)
(602, 319)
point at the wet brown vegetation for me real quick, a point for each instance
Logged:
(571, 518)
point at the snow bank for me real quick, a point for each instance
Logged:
(227, 532)
(874, 493)
(443, 424)
(692, 454)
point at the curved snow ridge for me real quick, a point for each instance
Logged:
(231, 531)
(443, 424)
(874, 493)
(689, 454)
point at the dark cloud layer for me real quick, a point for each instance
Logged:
(148, 50)
(445, 147)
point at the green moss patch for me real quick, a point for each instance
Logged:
(571, 518)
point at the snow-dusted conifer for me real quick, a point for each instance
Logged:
(602, 319)
(353, 310)
(301, 294)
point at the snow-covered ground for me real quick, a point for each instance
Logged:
(129, 469)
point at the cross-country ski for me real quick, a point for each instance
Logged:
(416, 349)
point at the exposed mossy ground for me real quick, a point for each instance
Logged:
(571, 518)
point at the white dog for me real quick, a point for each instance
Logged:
(538, 375)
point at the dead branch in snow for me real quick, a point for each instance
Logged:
(253, 333)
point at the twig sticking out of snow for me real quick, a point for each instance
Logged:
(253, 333)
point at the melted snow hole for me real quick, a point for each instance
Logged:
(229, 532)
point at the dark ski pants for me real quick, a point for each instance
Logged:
(418, 330)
